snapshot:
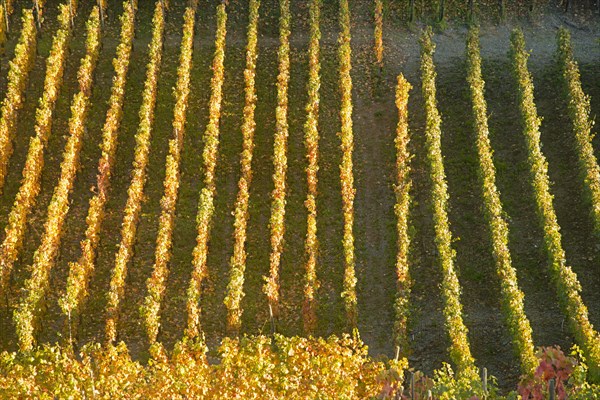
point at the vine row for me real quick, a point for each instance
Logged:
(135, 192)
(79, 272)
(378, 33)
(460, 351)
(18, 75)
(512, 296)
(567, 285)
(579, 112)
(346, 169)
(156, 282)
(235, 288)
(36, 286)
(34, 163)
(401, 209)
(311, 143)
(208, 192)
(277, 221)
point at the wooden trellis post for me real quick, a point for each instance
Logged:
(6, 16)
(101, 12)
(37, 14)
(484, 380)
(442, 10)
(71, 13)
(471, 13)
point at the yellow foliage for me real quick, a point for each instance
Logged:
(135, 192)
(79, 271)
(207, 194)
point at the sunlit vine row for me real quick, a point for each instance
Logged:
(277, 221)
(79, 272)
(207, 194)
(401, 209)
(235, 288)
(378, 33)
(512, 296)
(18, 75)
(579, 111)
(135, 192)
(346, 172)
(30, 184)
(567, 284)
(311, 142)
(162, 254)
(460, 351)
(36, 286)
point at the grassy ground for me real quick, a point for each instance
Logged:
(375, 117)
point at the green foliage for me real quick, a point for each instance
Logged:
(567, 285)
(460, 352)
(579, 112)
(512, 297)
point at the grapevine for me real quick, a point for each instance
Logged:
(401, 209)
(30, 185)
(235, 289)
(460, 351)
(311, 142)
(43, 259)
(379, 32)
(567, 284)
(18, 74)
(512, 296)
(6, 10)
(135, 192)
(346, 172)
(579, 111)
(79, 272)
(156, 282)
(207, 194)
(277, 221)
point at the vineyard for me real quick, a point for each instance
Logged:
(299, 199)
